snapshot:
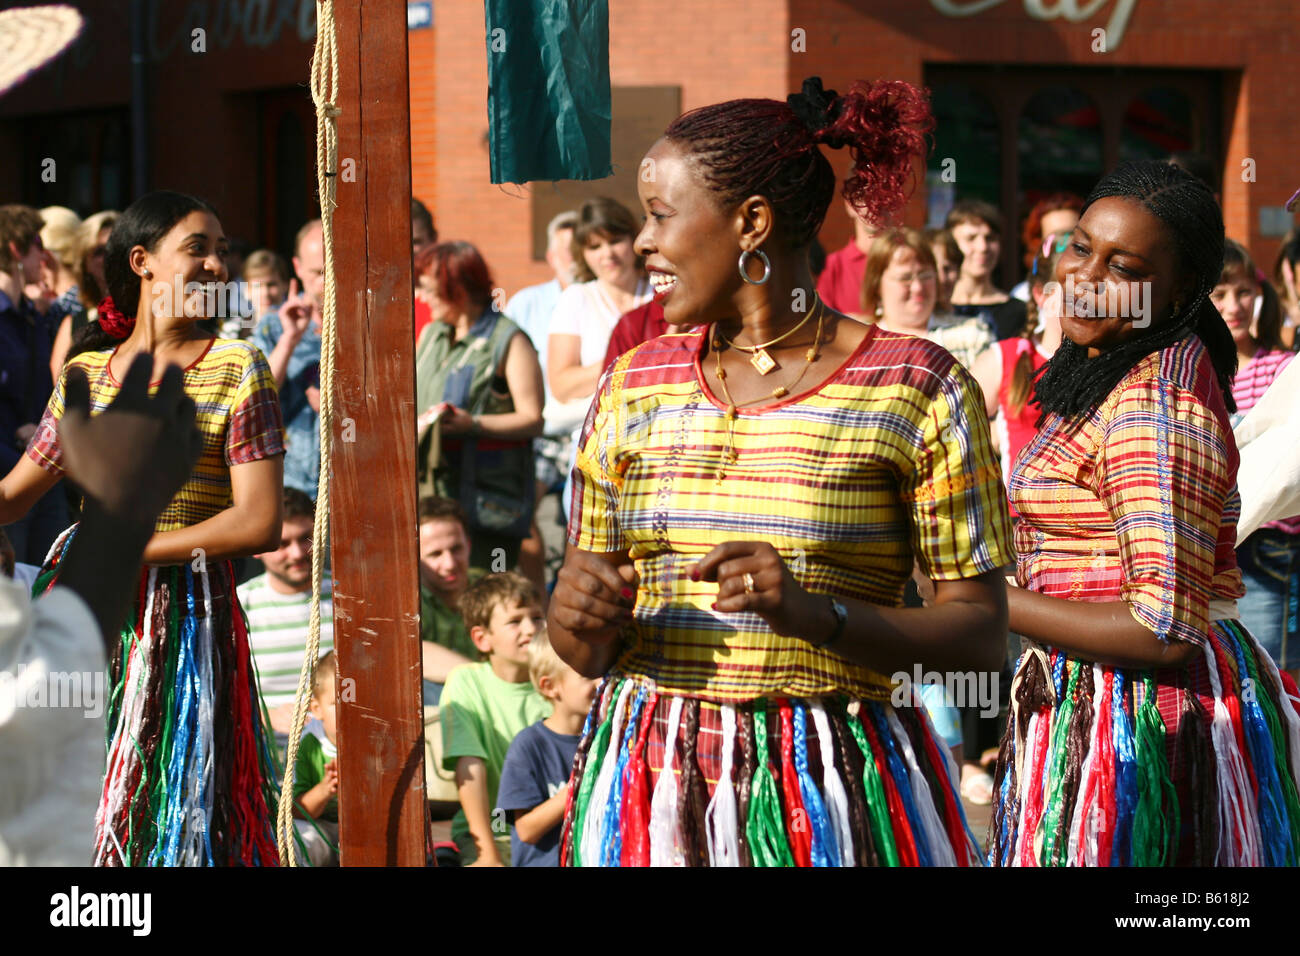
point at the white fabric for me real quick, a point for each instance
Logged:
(51, 757)
(941, 851)
(584, 310)
(1269, 441)
(665, 827)
(721, 824)
(837, 799)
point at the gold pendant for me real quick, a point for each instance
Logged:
(762, 361)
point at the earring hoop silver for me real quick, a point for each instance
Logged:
(744, 262)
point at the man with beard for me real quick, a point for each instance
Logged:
(278, 605)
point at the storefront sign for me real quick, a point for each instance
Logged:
(1075, 11)
(419, 16)
(254, 23)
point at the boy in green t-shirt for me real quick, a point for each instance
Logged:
(485, 705)
(316, 775)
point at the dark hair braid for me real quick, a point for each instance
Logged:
(1071, 383)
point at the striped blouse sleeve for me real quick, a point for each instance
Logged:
(598, 474)
(960, 524)
(1163, 476)
(256, 421)
(44, 447)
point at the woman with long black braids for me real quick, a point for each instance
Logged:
(1147, 726)
(751, 493)
(188, 776)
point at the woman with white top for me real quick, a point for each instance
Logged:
(611, 281)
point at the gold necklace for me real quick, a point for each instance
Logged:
(729, 454)
(758, 356)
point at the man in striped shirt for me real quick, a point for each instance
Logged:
(278, 605)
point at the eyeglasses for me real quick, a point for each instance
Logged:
(909, 278)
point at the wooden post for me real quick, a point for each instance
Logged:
(373, 533)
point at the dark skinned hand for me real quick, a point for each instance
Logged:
(593, 599)
(777, 597)
(131, 460)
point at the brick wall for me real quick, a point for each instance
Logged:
(713, 51)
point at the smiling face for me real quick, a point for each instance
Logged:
(980, 248)
(611, 259)
(1235, 297)
(195, 251)
(908, 288)
(689, 244)
(444, 557)
(290, 564)
(1121, 262)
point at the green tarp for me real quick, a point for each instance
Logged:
(548, 89)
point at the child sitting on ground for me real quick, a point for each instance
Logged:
(316, 775)
(535, 778)
(485, 705)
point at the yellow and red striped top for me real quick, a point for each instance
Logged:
(1137, 501)
(237, 410)
(888, 460)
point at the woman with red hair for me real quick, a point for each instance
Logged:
(478, 389)
(1055, 215)
(748, 502)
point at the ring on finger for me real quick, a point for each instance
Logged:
(749, 582)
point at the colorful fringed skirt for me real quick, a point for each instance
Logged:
(772, 782)
(188, 777)
(1102, 766)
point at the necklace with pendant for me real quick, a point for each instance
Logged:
(758, 356)
(729, 453)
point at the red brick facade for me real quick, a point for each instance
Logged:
(215, 113)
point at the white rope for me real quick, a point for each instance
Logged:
(324, 93)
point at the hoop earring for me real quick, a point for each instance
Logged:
(744, 261)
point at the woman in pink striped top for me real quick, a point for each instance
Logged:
(1270, 558)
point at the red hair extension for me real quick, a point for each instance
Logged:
(767, 148)
(1031, 236)
(885, 125)
(113, 321)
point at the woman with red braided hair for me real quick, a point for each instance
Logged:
(751, 492)
(188, 776)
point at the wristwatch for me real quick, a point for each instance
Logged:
(841, 618)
